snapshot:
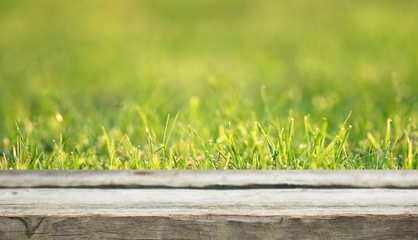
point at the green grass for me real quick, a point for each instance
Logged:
(208, 84)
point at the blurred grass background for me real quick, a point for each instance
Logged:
(69, 68)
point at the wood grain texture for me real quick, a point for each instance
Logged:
(166, 202)
(208, 205)
(210, 179)
(208, 214)
(209, 227)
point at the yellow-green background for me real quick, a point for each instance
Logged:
(72, 72)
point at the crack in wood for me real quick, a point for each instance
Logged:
(31, 224)
(211, 187)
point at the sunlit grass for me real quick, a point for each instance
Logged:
(208, 84)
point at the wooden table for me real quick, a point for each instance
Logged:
(208, 204)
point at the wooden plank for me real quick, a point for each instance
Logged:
(208, 214)
(209, 227)
(166, 202)
(208, 205)
(210, 179)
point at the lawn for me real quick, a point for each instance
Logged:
(208, 84)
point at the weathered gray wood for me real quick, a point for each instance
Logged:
(208, 205)
(197, 213)
(166, 202)
(210, 179)
(209, 227)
